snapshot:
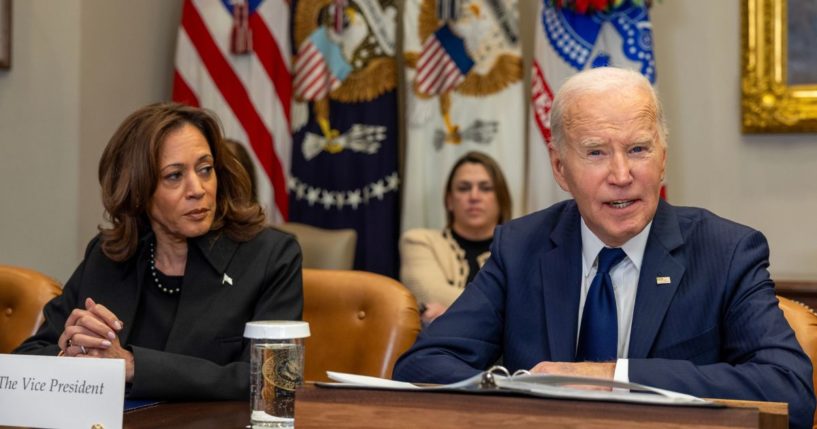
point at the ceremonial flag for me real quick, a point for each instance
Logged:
(567, 42)
(320, 68)
(465, 92)
(344, 159)
(233, 58)
(443, 63)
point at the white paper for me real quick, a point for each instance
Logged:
(61, 392)
(543, 385)
(367, 381)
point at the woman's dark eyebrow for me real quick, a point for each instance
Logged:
(204, 157)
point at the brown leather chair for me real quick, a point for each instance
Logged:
(803, 321)
(23, 293)
(328, 249)
(360, 322)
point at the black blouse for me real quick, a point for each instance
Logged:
(153, 321)
(472, 250)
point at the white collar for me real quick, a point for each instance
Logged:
(592, 245)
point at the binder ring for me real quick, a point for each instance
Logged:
(488, 380)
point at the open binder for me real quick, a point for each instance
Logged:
(497, 380)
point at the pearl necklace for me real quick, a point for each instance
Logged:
(169, 291)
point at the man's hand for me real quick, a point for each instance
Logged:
(584, 369)
(433, 310)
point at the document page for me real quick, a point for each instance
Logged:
(541, 385)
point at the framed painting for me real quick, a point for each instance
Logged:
(779, 56)
(5, 34)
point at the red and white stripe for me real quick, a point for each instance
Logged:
(251, 94)
(313, 80)
(436, 72)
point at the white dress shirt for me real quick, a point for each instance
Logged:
(625, 284)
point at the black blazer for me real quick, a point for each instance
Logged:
(206, 356)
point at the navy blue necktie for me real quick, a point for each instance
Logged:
(598, 339)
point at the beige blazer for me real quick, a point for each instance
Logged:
(433, 265)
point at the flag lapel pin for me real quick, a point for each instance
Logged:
(227, 280)
(662, 280)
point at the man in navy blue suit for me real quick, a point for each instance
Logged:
(617, 283)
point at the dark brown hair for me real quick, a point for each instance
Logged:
(245, 160)
(503, 195)
(129, 172)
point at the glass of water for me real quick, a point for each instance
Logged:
(276, 370)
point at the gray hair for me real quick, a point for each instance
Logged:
(595, 81)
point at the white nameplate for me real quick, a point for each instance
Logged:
(61, 392)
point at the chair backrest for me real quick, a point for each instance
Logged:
(360, 322)
(804, 291)
(329, 249)
(803, 321)
(23, 293)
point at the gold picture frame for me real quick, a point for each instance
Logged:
(5, 34)
(769, 103)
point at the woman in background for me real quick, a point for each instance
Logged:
(437, 265)
(185, 262)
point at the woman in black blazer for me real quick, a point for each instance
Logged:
(186, 261)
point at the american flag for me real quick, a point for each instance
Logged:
(320, 67)
(443, 63)
(248, 85)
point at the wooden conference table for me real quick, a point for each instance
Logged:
(360, 408)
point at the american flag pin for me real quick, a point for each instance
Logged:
(227, 280)
(658, 280)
